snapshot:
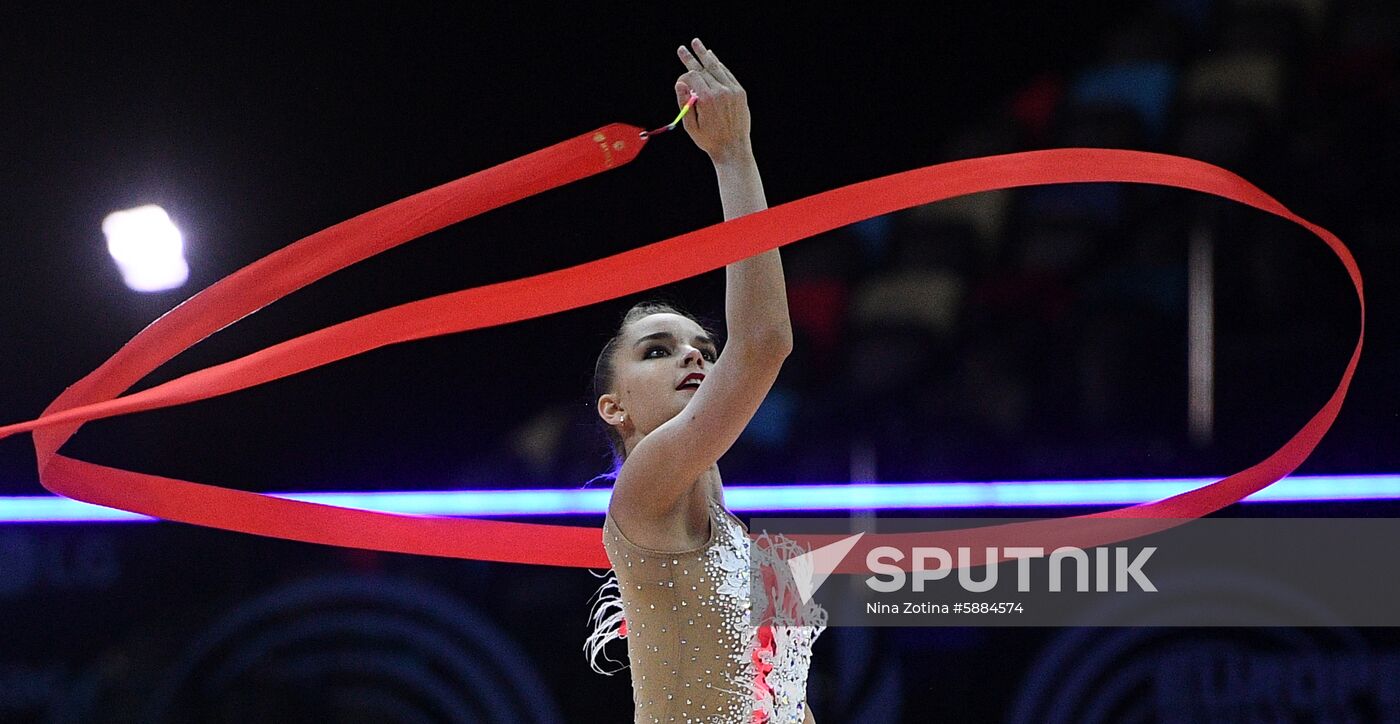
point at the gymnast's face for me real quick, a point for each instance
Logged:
(658, 365)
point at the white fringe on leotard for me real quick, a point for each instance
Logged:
(605, 618)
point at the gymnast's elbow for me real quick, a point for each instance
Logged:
(778, 339)
(781, 341)
(770, 346)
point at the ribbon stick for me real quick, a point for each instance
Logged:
(672, 125)
(100, 393)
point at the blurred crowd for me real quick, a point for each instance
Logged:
(1052, 321)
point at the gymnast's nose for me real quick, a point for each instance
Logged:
(693, 355)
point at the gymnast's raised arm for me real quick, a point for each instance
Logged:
(666, 462)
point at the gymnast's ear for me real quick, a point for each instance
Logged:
(610, 411)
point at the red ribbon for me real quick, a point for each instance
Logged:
(99, 394)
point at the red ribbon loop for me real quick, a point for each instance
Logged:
(99, 394)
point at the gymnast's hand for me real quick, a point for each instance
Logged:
(719, 121)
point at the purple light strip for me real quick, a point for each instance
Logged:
(771, 498)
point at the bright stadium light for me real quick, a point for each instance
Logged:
(148, 248)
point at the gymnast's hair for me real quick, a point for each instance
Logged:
(604, 370)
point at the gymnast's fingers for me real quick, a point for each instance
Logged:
(703, 86)
(691, 62)
(714, 67)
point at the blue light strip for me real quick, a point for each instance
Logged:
(771, 498)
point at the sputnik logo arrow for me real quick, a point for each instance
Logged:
(810, 570)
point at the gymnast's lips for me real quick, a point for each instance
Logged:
(696, 376)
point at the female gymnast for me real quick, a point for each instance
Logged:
(673, 405)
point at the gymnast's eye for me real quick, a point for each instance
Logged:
(710, 355)
(649, 351)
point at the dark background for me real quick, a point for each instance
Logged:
(1061, 351)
